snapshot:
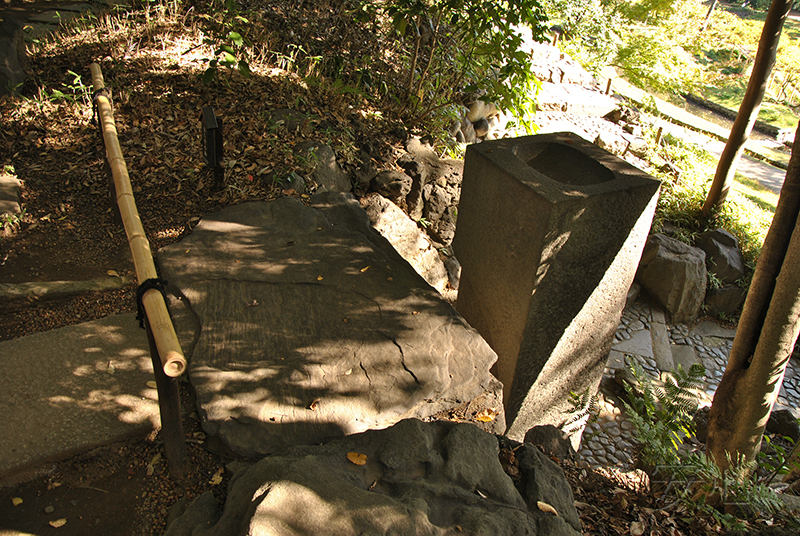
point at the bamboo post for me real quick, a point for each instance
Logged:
(172, 359)
(165, 350)
(169, 406)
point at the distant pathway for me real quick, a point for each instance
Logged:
(709, 135)
(766, 174)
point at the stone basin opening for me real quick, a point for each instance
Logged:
(563, 163)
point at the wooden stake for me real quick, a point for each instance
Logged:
(169, 349)
(169, 406)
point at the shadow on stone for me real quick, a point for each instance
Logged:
(303, 323)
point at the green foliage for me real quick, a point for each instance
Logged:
(474, 46)
(583, 410)
(714, 281)
(783, 463)
(73, 92)
(589, 32)
(10, 222)
(226, 33)
(661, 415)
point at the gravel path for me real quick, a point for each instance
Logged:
(609, 439)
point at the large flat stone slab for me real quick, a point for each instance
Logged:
(72, 389)
(309, 325)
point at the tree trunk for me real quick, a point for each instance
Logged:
(748, 111)
(765, 336)
(708, 15)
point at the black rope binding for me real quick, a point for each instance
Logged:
(156, 283)
(105, 92)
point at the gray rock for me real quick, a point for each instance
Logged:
(417, 478)
(393, 185)
(723, 257)
(674, 273)
(411, 243)
(637, 145)
(543, 483)
(364, 173)
(784, 423)
(424, 167)
(326, 172)
(700, 419)
(712, 329)
(199, 515)
(13, 55)
(295, 182)
(420, 173)
(292, 120)
(684, 355)
(308, 325)
(453, 271)
(550, 440)
(9, 194)
(481, 127)
(612, 143)
(468, 131)
(725, 300)
(481, 110)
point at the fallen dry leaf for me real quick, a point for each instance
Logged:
(637, 528)
(485, 415)
(58, 522)
(151, 467)
(112, 273)
(319, 278)
(356, 458)
(364, 269)
(16, 501)
(544, 507)
(216, 480)
(152, 384)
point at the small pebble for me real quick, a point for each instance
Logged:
(636, 325)
(49, 509)
(621, 456)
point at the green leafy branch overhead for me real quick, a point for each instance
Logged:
(452, 47)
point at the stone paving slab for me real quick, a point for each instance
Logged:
(9, 194)
(72, 389)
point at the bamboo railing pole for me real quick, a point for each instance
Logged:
(169, 349)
